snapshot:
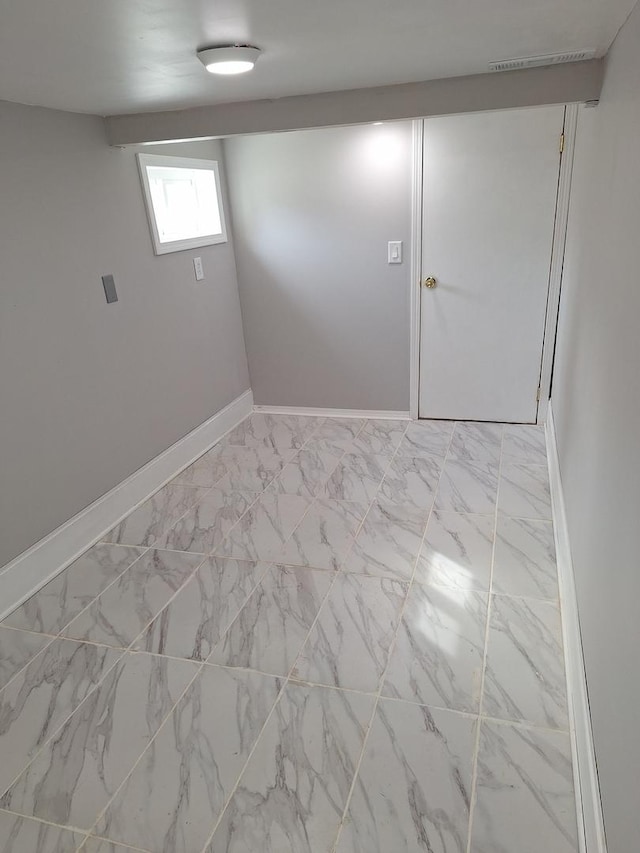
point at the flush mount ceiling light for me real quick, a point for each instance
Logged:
(230, 59)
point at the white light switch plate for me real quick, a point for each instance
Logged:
(199, 271)
(394, 253)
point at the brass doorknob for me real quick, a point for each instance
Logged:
(430, 282)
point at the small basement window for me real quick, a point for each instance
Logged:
(184, 202)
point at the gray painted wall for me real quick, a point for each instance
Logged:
(89, 392)
(326, 318)
(596, 403)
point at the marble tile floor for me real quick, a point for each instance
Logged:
(324, 636)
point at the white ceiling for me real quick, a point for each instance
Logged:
(118, 56)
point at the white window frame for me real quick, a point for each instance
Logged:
(161, 160)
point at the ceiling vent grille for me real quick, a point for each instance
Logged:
(536, 61)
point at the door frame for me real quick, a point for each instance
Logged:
(416, 265)
(563, 199)
(555, 270)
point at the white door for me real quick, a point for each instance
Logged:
(490, 183)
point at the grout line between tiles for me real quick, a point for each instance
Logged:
(542, 600)
(482, 718)
(46, 822)
(27, 631)
(183, 551)
(476, 751)
(126, 847)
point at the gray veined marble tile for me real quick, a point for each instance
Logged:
(205, 526)
(292, 794)
(524, 794)
(17, 648)
(349, 644)
(118, 615)
(22, 835)
(412, 479)
(263, 530)
(524, 676)
(174, 796)
(72, 779)
(357, 477)
(468, 487)
(101, 845)
(388, 542)
(476, 442)
(380, 436)
(457, 551)
(42, 696)
(325, 533)
(438, 655)
(191, 624)
(154, 517)
(337, 433)
(431, 437)
(525, 558)
(525, 444)
(524, 491)
(57, 603)
(307, 472)
(283, 433)
(205, 471)
(274, 623)
(413, 788)
(249, 469)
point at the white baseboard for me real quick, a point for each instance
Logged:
(333, 413)
(39, 564)
(591, 834)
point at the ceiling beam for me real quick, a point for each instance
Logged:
(557, 84)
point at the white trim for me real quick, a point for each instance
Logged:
(39, 564)
(557, 258)
(382, 414)
(415, 273)
(160, 248)
(591, 834)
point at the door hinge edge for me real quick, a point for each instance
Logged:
(562, 142)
